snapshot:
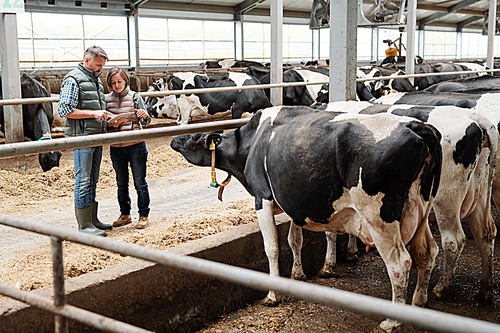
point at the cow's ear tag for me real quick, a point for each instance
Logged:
(212, 145)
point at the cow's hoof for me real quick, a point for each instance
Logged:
(268, 302)
(298, 276)
(389, 326)
(327, 274)
(352, 256)
(438, 290)
(485, 294)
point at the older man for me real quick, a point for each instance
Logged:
(83, 105)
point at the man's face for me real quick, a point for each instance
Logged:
(95, 65)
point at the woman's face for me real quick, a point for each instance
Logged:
(117, 83)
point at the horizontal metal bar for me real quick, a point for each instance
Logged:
(421, 317)
(86, 317)
(425, 75)
(260, 86)
(32, 147)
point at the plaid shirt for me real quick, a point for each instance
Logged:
(68, 100)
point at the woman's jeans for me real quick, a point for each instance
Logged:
(87, 163)
(137, 156)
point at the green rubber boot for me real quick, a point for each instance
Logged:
(84, 219)
(95, 220)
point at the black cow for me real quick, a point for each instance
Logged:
(226, 63)
(337, 172)
(240, 103)
(37, 119)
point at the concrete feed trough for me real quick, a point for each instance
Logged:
(164, 299)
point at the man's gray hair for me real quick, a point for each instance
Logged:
(95, 51)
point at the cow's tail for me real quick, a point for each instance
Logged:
(420, 249)
(432, 138)
(490, 141)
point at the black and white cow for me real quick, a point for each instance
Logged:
(382, 87)
(229, 63)
(487, 104)
(470, 147)
(37, 119)
(310, 94)
(371, 176)
(241, 103)
(162, 106)
(479, 84)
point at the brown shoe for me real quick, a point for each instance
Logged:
(122, 220)
(142, 223)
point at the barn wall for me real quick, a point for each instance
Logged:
(164, 299)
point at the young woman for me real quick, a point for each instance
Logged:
(120, 101)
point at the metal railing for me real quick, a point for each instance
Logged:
(424, 318)
(19, 101)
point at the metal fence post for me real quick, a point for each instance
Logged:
(61, 323)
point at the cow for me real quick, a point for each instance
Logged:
(336, 172)
(422, 83)
(241, 103)
(162, 106)
(484, 103)
(37, 119)
(467, 85)
(400, 60)
(381, 87)
(310, 94)
(227, 63)
(470, 147)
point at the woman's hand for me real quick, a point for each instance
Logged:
(116, 123)
(141, 113)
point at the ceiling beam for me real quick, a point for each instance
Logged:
(452, 9)
(470, 20)
(446, 9)
(246, 6)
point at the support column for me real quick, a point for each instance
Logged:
(421, 43)
(343, 50)
(374, 57)
(238, 38)
(276, 50)
(459, 45)
(492, 23)
(133, 37)
(411, 27)
(11, 82)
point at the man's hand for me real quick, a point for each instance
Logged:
(103, 115)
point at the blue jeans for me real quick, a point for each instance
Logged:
(87, 163)
(137, 156)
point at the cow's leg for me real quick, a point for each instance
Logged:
(328, 269)
(484, 231)
(295, 242)
(424, 273)
(388, 241)
(270, 236)
(452, 241)
(352, 249)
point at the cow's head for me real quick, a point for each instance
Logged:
(49, 160)
(196, 147)
(161, 106)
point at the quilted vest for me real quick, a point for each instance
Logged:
(123, 103)
(91, 97)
